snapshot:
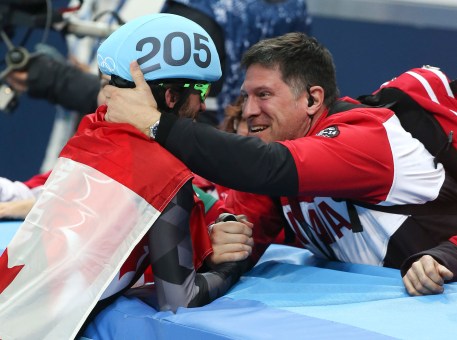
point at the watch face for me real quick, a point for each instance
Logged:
(153, 130)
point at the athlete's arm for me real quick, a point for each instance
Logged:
(177, 283)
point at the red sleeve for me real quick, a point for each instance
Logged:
(201, 242)
(262, 212)
(37, 180)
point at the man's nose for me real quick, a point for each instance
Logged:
(250, 108)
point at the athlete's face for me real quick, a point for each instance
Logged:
(192, 107)
(270, 108)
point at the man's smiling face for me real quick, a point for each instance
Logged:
(272, 111)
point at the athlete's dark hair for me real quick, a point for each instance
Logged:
(158, 91)
(302, 61)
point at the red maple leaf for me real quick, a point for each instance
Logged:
(7, 274)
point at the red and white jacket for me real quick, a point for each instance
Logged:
(362, 154)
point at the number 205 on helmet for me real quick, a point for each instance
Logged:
(166, 46)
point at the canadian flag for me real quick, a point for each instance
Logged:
(99, 202)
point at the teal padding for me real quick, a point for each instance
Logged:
(7, 231)
(207, 199)
(130, 318)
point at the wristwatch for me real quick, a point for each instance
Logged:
(153, 130)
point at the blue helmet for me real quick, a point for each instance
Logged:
(166, 46)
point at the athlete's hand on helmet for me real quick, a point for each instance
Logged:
(135, 106)
(426, 276)
(231, 240)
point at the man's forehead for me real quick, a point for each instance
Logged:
(261, 79)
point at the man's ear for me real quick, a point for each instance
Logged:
(315, 100)
(171, 98)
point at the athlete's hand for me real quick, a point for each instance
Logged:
(231, 241)
(426, 276)
(135, 106)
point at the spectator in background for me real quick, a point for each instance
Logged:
(233, 120)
